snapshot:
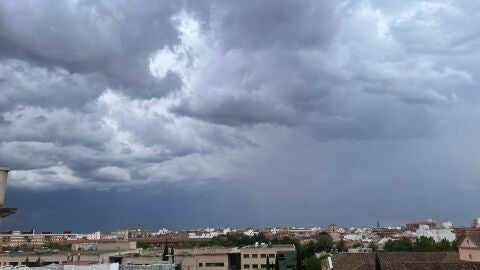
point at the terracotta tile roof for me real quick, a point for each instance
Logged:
(402, 261)
(474, 236)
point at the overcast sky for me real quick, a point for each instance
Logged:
(186, 114)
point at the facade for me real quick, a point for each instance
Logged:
(287, 259)
(436, 234)
(214, 258)
(245, 258)
(257, 257)
(146, 263)
(413, 226)
(32, 239)
(476, 223)
(104, 245)
(469, 247)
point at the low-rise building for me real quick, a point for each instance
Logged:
(476, 223)
(259, 256)
(437, 234)
(104, 245)
(32, 239)
(61, 257)
(469, 247)
(208, 258)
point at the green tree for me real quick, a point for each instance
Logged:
(455, 243)
(324, 243)
(165, 251)
(312, 263)
(424, 244)
(373, 247)
(143, 245)
(404, 244)
(444, 245)
(340, 246)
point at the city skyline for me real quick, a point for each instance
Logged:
(187, 114)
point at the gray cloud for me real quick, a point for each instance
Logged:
(111, 39)
(365, 97)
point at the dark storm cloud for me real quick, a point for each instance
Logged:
(250, 100)
(286, 24)
(111, 39)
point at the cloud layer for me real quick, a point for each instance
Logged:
(352, 95)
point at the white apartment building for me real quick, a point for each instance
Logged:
(436, 234)
(476, 223)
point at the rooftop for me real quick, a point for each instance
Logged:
(401, 261)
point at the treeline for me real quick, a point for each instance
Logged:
(236, 239)
(422, 244)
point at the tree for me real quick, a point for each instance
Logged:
(268, 262)
(143, 245)
(378, 265)
(373, 247)
(357, 245)
(444, 245)
(424, 244)
(403, 244)
(312, 263)
(165, 251)
(39, 262)
(340, 246)
(324, 243)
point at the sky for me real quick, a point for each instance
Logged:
(187, 114)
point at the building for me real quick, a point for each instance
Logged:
(253, 257)
(398, 260)
(469, 247)
(4, 211)
(413, 226)
(258, 256)
(14, 239)
(476, 223)
(103, 245)
(436, 234)
(45, 257)
(208, 258)
(286, 259)
(360, 250)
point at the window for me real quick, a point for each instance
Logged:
(246, 266)
(214, 264)
(264, 266)
(271, 255)
(254, 255)
(255, 266)
(246, 256)
(263, 255)
(200, 264)
(470, 255)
